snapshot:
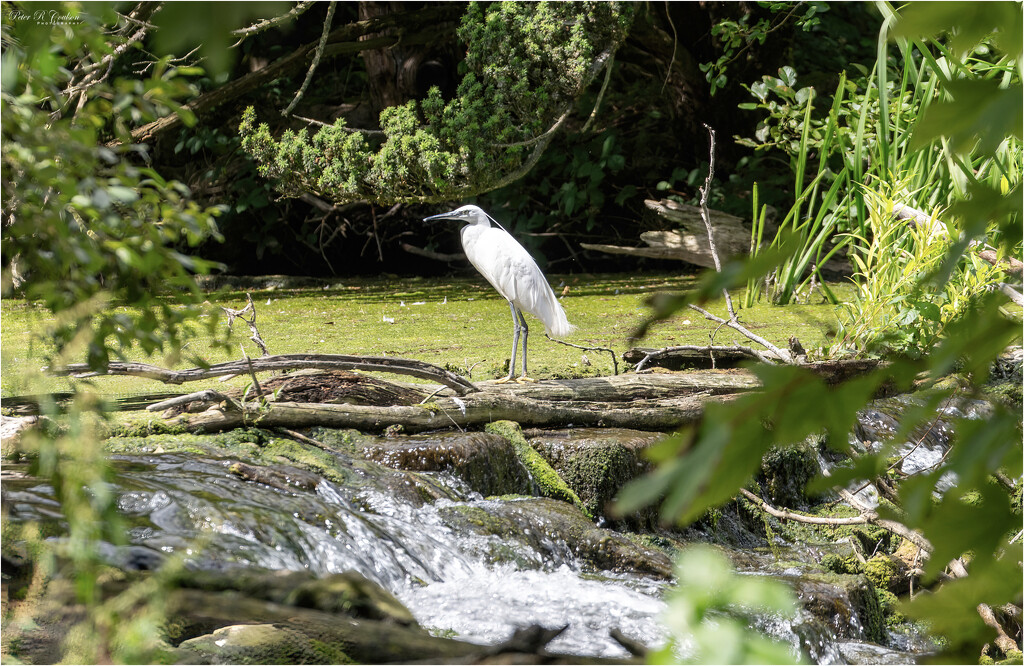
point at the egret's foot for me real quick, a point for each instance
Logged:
(503, 380)
(526, 380)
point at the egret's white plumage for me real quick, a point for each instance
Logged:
(513, 273)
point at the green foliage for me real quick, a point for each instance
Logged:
(881, 127)
(209, 26)
(705, 466)
(900, 306)
(735, 37)
(527, 65)
(711, 614)
(85, 226)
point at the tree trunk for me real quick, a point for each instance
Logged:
(391, 71)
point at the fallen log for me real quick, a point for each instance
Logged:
(630, 387)
(473, 410)
(400, 366)
(690, 242)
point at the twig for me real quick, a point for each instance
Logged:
(733, 322)
(353, 130)
(893, 526)
(1003, 640)
(779, 353)
(328, 22)
(800, 518)
(399, 366)
(705, 215)
(252, 373)
(207, 395)
(600, 95)
(675, 45)
(295, 12)
(615, 361)
(240, 314)
(899, 461)
(302, 438)
(668, 350)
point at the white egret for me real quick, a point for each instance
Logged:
(513, 273)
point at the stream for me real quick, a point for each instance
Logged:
(416, 534)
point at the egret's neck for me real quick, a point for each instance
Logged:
(478, 220)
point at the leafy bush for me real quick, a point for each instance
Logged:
(900, 305)
(527, 65)
(86, 225)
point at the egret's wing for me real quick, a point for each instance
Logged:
(515, 275)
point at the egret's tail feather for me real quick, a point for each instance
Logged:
(557, 324)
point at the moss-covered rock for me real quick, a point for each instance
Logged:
(547, 480)
(887, 573)
(597, 463)
(841, 564)
(785, 472)
(262, 644)
(350, 593)
(847, 603)
(889, 603)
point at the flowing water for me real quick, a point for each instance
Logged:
(477, 587)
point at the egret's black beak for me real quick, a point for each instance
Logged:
(440, 216)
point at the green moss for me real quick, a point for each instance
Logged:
(889, 603)
(1008, 393)
(447, 328)
(785, 472)
(476, 517)
(549, 483)
(841, 565)
(596, 474)
(331, 653)
(309, 457)
(882, 571)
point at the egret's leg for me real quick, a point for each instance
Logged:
(526, 334)
(515, 345)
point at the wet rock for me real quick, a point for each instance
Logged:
(785, 472)
(260, 644)
(557, 529)
(283, 477)
(846, 603)
(596, 463)
(350, 593)
(548, 482)
(487, 463)
(294, 635)
(856, 652)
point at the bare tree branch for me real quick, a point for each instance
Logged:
(328, 22)
(266, 24)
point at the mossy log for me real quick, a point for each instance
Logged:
(473, 410)
(654, 402)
